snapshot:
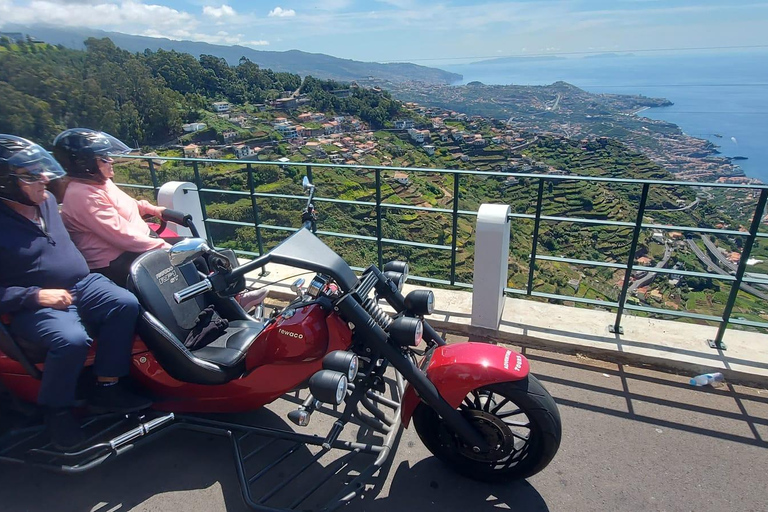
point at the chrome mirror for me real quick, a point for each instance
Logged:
(306, 184)
(187, 250)
(297, 284)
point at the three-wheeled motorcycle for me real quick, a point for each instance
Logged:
(335, 350)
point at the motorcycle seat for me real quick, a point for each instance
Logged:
(164, 324)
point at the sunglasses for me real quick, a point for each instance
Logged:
(31, 178)
(106, 159)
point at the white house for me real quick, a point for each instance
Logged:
(191, 151)
(401, 178)
(221, 106)
(403, 124)
(242, 151)
(429, 149)
(416, 135)
(288, 131)
(229, 135)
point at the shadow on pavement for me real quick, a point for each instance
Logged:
(430, 486)
(674, 403)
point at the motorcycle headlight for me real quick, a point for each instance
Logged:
(406, 331)
(343, 362)
(420, 302)
(396, 277)
(396, 266)
(341, 391)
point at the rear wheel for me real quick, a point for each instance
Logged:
(519, 420)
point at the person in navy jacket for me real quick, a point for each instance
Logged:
(51, 296)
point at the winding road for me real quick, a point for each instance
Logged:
(714, 267)
(651, 275)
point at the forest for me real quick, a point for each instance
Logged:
(145, 98)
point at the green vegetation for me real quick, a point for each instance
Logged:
(144, 98)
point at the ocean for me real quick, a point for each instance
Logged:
(722, 97)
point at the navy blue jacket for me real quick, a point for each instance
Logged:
(31, 259)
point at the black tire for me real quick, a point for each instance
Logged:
(526, 459)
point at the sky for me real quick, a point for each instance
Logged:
(427, 32)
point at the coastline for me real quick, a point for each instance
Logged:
(707, 152)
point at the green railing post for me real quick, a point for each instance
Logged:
(256, 221)
(199, 183)
(742, 268)
(455, 226)
(535, 244)
(153, 175)
(616, 327)
(379, 245)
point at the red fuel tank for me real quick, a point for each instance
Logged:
(300, 336)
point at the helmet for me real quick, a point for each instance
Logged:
(23, 160)
(78, 150)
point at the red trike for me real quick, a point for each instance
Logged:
(474, 405)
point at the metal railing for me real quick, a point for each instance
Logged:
(737, 279)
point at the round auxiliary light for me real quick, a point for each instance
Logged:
(420, 302)
(343, 362)
(329, 386)
(396, 277)
(396, 266)
(406, 331)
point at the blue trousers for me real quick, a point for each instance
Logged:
(109, 312)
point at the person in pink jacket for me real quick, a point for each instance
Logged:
(105, 223)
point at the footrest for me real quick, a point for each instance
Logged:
(107, 436)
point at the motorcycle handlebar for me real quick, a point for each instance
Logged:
(192, 291)
(180, 218)
(176, 216)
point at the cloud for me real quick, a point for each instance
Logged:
(224, 11)
(131, 16)
(279, 12)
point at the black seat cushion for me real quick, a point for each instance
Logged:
(164, 324)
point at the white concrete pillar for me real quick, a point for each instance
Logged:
(491, 265)
(184, 197)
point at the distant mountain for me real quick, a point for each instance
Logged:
(610, 55)
(510, 60)
(293, 61)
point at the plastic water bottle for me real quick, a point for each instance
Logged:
(707, 379)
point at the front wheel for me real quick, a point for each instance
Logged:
(519, 420)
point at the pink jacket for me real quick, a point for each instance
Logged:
(105, 222)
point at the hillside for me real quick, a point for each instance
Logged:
(292, 61)
(270, 116)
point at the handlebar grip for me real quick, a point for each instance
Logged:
(192, 291)
(176, 216)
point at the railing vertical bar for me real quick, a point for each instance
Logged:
(199, 183)
(153, 175)
(616, 327)
(309, 173)
(255, 208)
(535, 244)
(454, 226)
(741, 269)
(379, 245)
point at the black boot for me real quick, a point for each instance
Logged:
(115, 397)
(63, 428)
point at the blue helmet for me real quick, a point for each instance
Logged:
(78, 149)
(23, 160)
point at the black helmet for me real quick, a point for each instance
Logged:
(24, 160)
(78, 149)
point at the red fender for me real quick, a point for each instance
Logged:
(457, 369)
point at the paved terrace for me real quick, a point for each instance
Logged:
(633, 439)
